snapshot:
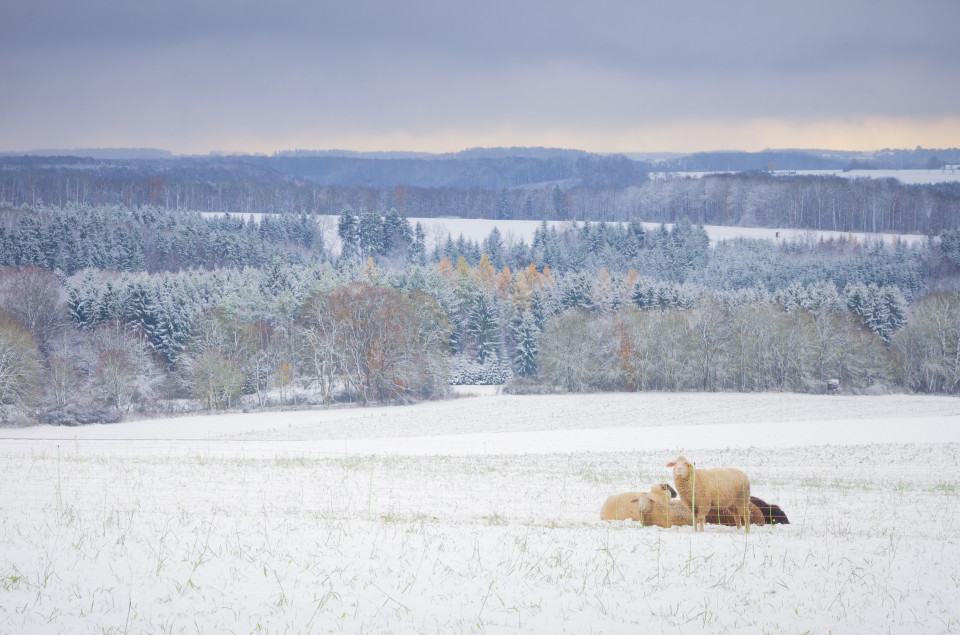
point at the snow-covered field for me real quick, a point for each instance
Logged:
(477, 229)
(480, 514)
(908, 177)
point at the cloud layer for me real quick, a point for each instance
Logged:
(605, 76)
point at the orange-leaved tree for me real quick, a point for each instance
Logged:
(382, 344)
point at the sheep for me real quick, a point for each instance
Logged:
(718, 489)
(621, 507)
(656, 508)
(726, 516)
(772, 514)
(761, 512)
(666, 488)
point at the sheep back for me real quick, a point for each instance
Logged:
(772, 514)
(726, 517)
(659, 511)
(621, 507)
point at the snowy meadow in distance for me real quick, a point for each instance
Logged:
(481, 514)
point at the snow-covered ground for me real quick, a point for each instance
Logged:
(477, 229)
(908, 177)
(480, 514)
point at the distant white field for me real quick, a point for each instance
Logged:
(437, 230)
(478, 229)
(908, 177)
(480, 514)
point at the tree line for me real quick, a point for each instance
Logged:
(155, 240)
(101, 346)
(592, 306)
(582, 189)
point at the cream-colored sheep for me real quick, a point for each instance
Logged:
(657, 508)
(761, 512)
(621, 507)
(723, 489)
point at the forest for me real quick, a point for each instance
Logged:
(109, 312)
(549, 185)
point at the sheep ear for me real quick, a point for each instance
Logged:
(635, 500)
(671, 464)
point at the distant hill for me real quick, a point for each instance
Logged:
(97, 153)
(493, 168)
(464, 170)
(573, 169)
(750, 161)
(917, 159)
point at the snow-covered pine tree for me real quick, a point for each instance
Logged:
(483, 327)
(418, 250)
(503, 208)
(348, 230)
(493, 246)
(527, 337)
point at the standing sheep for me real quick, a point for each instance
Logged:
(761, 512)
(723, 489)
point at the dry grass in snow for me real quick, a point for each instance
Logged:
(276, 525)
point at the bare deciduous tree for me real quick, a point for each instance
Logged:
(35, 298)
(19, 366)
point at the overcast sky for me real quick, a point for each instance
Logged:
(194, 76)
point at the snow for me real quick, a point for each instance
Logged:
(948, 174)
(480, 513)
(436, 231)
(907, 177)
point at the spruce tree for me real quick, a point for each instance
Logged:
(527, 337)
(372, 240)
(418, 251)
(493, 247)
(348, 230)
(483, 326)
(561, 206)
(503, 209)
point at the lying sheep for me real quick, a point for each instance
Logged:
(723, 517)
(657, 508)
(723, 489)
(761, 512)
(726, 516)
(621, 507)
(772, 514)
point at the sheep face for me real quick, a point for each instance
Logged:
(681, 468)
(647, 503)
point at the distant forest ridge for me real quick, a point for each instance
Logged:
(508, 183)
(785, 159)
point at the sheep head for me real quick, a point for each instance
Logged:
(648, 502)
(665, 487)
(682, 468)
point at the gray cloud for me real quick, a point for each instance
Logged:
(178, 73)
